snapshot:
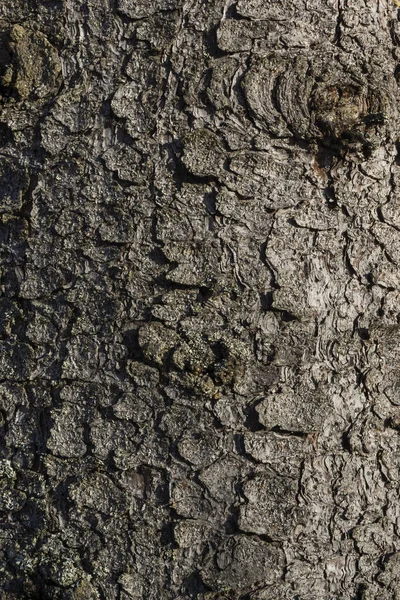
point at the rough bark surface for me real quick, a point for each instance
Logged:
(199, 324)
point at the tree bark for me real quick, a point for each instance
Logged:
(200, 272)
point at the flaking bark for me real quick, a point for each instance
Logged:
(199, 311)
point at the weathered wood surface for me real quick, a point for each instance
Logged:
(200, 271)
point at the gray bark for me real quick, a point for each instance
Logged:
(199, 324)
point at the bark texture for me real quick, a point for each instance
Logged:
(199, 310)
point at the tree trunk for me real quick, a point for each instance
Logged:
(200, 339)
